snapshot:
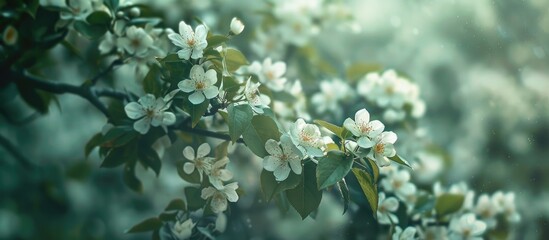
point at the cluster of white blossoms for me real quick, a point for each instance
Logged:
(219, 192)
(393, 93)
(469, 222)
(73, 9)
(150, 111)
(270, 74)
(371, 135)
(255, 99)
(332, 94)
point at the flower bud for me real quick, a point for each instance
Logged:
(236, 26)
(135, 12)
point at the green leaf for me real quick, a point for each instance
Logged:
(368, 188)
(306, 197)
(239, 119)
(130, 179)
(374, 168)
(90, 31)
(194, 199)
(99, 18)
(332, 127)
(115, 158)
(332, 168)
(147, 225)
(92, 143)
(216, 40)
(448, 203)
(176, 204)
(261, 129)
(398, 159)
(35, 99)
(116, 134)
(221, 150)
(151, 83)
(234, 59)
(150, 158)
(196, 111)
(112, 4)
(344, 190)
(270, 187)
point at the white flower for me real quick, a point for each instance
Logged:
(282, 160)
(467, 227)
(270, 73)
(386, 208)
(77, 9)
(383, 148)
(149, 112)
(362, 128)
(219, 174)
(407, 234)
(506, 204)
(486, 209)
(267, 44)
(220, 196)
(399, 183)
(297, 29)
(331, 93)
(236, 26)
(307, 138)
(136, 42)
(10, 35)
(200, 161)
(183, 230)
(202, 84)
(192, 43)
(256, 100)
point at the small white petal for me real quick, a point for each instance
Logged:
(188, 153)
(365, 142)
(142, 125)
(270, 163)
(196, 98)
(188, 168)
(211, 92)
(282, 172)
(272, 148)
(186, 86)
(203, 150)
(134, 110)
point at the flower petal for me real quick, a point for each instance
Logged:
(211, 77)
(177, 40)
(296, 166)
(211, 92)
(203, 150)
(365, 142)
(142, 125)
(134, 110)
(351, 126)
(207, 192)
(186, 86)
(270, 163)
(147, 101)
(188, 153)
(168, 118)
(200, 33)
(273, 148)
(362, 117)
(188, 167)
(376, 128)
(282, 172)
(184, 53)
(197, 97)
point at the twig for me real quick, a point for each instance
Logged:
(87, 92)
(106, 71)
(207, 133)
(15, 152)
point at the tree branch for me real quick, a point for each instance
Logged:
(106, 71)
(202, 132)
(87, 92)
